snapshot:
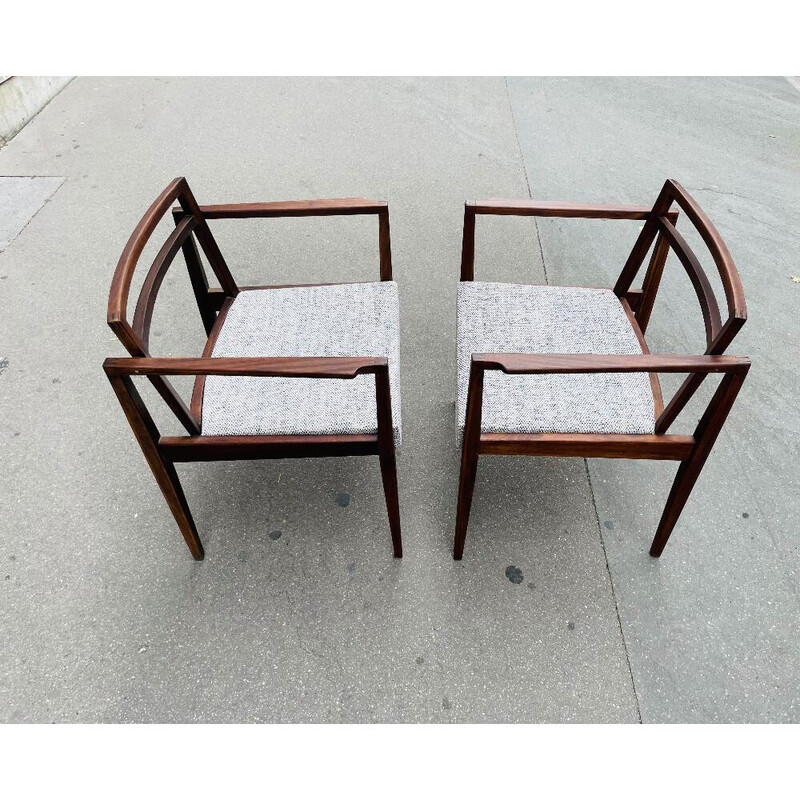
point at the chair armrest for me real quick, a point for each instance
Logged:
(540, 208)
(547, 208)
(340, 206)
(314, 367)
(534, 364)
(296, 208)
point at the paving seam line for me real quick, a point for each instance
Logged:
(585, 460)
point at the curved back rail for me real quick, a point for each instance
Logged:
(699, 279)
(135, 338)
(152, 283)
(123, 275)
(659, 224)
(659, 227)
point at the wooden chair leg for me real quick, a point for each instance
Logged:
(171, 488)
(687, 475)
(705, 435)
(164, 471)
(469, 457)
(389, 476)
(466, 487)
(386, 454)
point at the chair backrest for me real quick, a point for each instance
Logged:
(659, 228)
(135, 337)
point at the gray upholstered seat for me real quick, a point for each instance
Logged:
(342, 320)
(510, 318)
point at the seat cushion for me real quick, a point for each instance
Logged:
(510, 318)
(358, 319)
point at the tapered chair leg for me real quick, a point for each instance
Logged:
(389, 476)
(469, 457)
(172, 490)
(466, 487)
(687, 475)
(164, 471)
(705, 435)
(386, 454)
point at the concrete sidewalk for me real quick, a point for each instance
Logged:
(712, 627)
(104, 617)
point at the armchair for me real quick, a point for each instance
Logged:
(566, 371)
(286, 371)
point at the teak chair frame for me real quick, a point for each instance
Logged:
(691, 451)
(163, 452)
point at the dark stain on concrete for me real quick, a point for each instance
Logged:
(745, 515)
(514, 574)
(275, 535)
(343, 499)
(351, 567)
(609, 525)
(420, 660)
(571, 626)
(446, 704)
(3, 364)
(531, 585)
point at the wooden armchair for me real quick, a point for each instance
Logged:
(286, 370)
(566, 371)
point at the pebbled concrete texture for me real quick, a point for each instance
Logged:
(298, 613)
(712, 627)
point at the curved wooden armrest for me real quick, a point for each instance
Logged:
(535, 364)
(548, 208)
(322, 367)
(296, 208)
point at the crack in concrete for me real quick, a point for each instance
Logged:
(15, 233)
(487, 145)
(613, 591)
(715, 190)
(525, 175)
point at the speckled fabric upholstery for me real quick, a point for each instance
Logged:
(510, 318)
(359, 319)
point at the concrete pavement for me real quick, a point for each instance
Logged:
(104, 617)
(711, 628)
